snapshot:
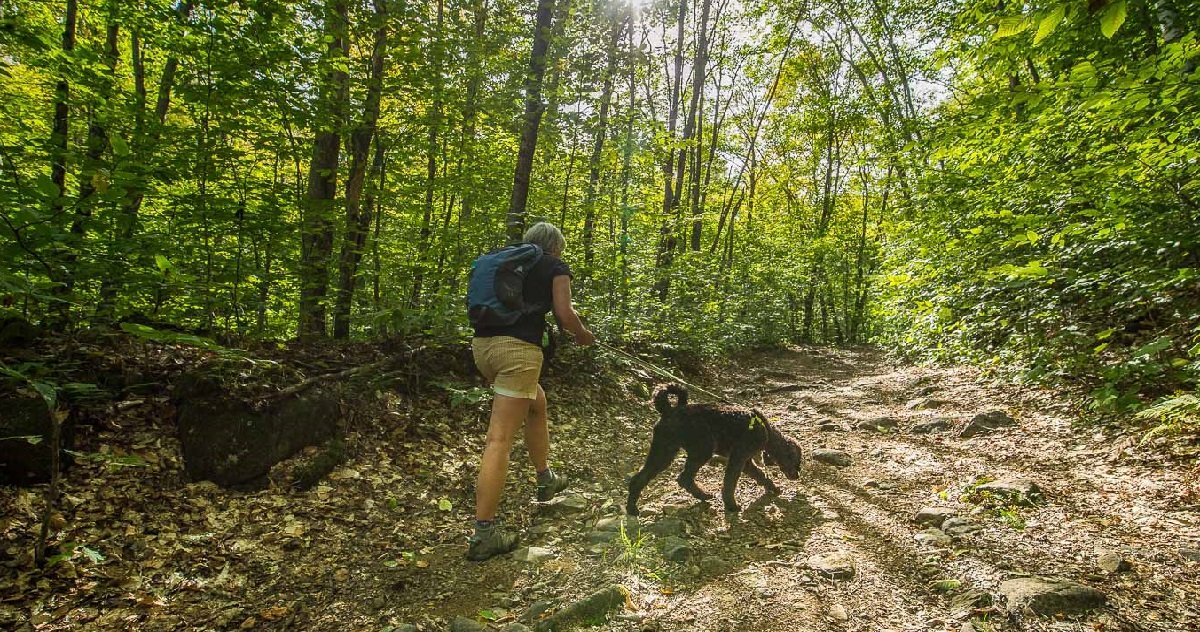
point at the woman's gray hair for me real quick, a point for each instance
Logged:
(547, 236)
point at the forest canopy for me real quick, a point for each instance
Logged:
(1013, 185)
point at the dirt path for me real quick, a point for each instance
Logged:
(380, 544)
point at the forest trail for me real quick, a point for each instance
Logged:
(380, 544)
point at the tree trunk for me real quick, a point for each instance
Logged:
(97, 144)
(144, 145)
(696, 117)
(589, 203)
(59, 147)
(475, 57)
(666, 239)
(515, 219)
(358, 218)
(431, 163)
(316, 241)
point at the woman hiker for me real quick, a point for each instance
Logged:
(510, 357)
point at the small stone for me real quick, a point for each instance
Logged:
(838, 613)
(1113, 562)
(1048, 598)
(960, 526)
(970, 600)
(934, 537)
(879, 424)
(1016, 491)
(836, 565)
(827, 456)
(676, 549)
(614, 524)
(937, 425)
(966, 627)
(831, 427)
(1191, 555)
(536, 609)
(933, 516)
(463, 624)
(714, 565)
(569, 503)
(985, 423)
(664, 527)
(532, 554)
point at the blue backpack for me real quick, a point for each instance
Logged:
(495, 292)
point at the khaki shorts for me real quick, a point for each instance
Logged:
(510, 364)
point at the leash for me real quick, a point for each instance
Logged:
(661, 371)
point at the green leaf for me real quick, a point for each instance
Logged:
(119, 146)
(47, 187)
(1013, 25)
(1112, 18)
(489, 615)
(445, 505)
(92, 554)
(1049, 23)
(48, 392)
(163, 263)
(1152, 347)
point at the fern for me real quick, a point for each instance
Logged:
(1176, 415)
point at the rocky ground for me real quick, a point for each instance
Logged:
(933, 500)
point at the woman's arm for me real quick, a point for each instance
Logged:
(565, 312)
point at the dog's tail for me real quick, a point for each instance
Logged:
(662, 399)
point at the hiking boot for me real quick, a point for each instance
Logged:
(488, 543)
(553, 484)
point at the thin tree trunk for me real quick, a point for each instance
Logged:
(515, 219)
(431, 163)
(358, 219)
(589, 203)
(666, 239)
(475, 60)
(59, 146)
(97, 145)
(144, 146)
(696, 118)
(316, 241)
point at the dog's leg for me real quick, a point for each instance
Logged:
(761, 477)
(738, 459)
(696, 458)
(662, 452)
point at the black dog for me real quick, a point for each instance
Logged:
(705, 429)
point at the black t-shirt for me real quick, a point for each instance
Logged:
(537, 291)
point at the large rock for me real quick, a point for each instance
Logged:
(929, 427)
(985, 423)
(591, 609)
(676, 549)
(1049, 598)
(837, 565)
(463, 624)
(933, 516)
(229, 442)
(16, 332)
(827, 456)
(25, 431)
(934, 537)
